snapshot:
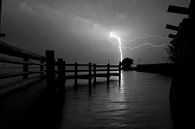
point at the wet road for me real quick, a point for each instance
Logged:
(140, 102)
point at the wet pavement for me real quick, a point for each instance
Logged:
(140, 102)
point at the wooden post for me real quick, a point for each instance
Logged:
(76, 74)
(177, 9)
(94, 74)
(1, 35)
(172, 36)
(25, 68)
(108, 74)
(50, 69)
(119, 68)
(61, 75)
(172, 27)
(41, 69)
(0, 13)
(64, 72)
(90, 75)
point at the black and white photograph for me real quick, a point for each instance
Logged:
(97, 64)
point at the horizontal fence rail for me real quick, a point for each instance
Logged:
(16, 56)
(9, 75)
(12, 61)
(10, 50)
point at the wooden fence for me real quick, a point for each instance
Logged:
(28, 59)
(87, 71)
(55, 78)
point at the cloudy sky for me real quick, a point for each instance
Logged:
(79, 29)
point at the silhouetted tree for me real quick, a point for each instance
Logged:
(126, 63)
(171, 50)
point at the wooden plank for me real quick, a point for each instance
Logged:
(114, 74)
(105, 75)
(172, 36)
(10, 50)
(14, 61)
(78, 65)
(9, 75)
(179, 10)
(78, 77)
(97, 70)
(70, 71)
(172, 27)
(97, 65)
(101, 70)
(114, 66)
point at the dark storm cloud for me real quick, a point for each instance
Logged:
(80, 28)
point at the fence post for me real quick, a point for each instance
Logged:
(41, 69)
(108, 74)
(119, 72)
(0, 15)
(61, 75)
(76, 74)
(94, 74)
(64, 72)
(90, 76)
(50, 69)
(25, 68)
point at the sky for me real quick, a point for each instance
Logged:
(79, 29)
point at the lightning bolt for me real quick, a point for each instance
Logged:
(113, 35)
(146, 44)
(152, 36)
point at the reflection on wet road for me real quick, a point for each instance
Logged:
(140, 102)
